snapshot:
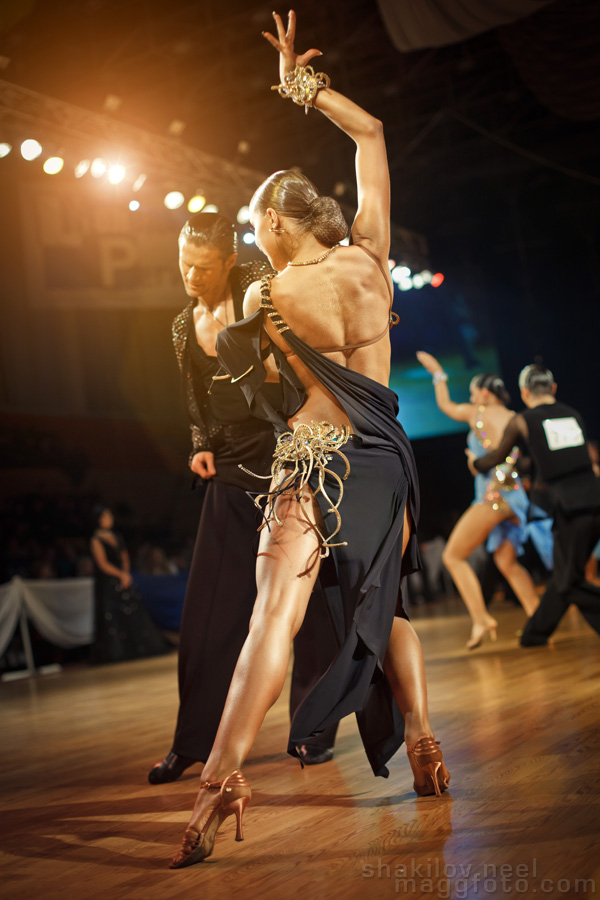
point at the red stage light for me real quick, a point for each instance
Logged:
(437, 279)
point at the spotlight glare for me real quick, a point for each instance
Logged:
(98, 167)
(399, 272)
(249, 238)
(391, 264)
(437, 279)
(405, 283)
(53, 165)
(139, 181)
(418, 281)
(426, 275)
(174, 199)
(133, 205)
(196, 203)
(243, 215)
(211, 208)
(116, 174)
(81, 168)
(5, 149)
(30, 149)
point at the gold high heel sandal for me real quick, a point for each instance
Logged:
(234, 794)
(427, 763)
(478, 636)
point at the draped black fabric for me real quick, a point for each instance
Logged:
(362, 581)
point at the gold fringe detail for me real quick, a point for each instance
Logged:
(307, 448)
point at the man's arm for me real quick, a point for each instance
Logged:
(514, 432)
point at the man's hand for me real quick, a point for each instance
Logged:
(203, 464)
(471, 457)
(126, 580)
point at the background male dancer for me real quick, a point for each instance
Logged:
(570, 492)
(221, 588)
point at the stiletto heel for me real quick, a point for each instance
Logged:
(479, 634)
(234, 795)
(427, 763)
(239, 806)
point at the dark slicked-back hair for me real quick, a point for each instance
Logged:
(493, 384)
(536, 379)
(210, 230)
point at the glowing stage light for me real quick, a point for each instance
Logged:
(174, 200)
(437, 279)
(53, 165)
(5, 149)
(133, 205)
(399, 272)
(405, 283)
(243, 215)
(137, 184)
(418, 281)
(116, 174)
(98, 167)
(249, 238)
(196, 203)
(391, 264)
(30, 149)
(211, 208)
(426, 275)
(81, 168)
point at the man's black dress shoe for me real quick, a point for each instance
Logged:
(170, 768)
(314, 756)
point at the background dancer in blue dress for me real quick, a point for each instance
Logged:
(344, 497)
(498, 514)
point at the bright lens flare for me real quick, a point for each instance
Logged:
(174, 200)
(53, 165)
(98, 167)
(30, 149)
(5, 149)
(116, 174)
(197, 203)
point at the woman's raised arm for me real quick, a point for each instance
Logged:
(372, 222)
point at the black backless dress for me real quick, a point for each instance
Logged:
(362, 581)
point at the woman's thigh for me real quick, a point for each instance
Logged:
(472, 529)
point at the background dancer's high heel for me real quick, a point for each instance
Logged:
(427, 763)
(480, 632)
(234, 795)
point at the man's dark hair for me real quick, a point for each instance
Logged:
(210, 230)
(536, 379)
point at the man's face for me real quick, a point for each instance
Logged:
(202, 268)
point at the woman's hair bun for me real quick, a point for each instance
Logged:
(327, 221)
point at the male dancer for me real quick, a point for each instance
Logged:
(221, 588)
(555, 434)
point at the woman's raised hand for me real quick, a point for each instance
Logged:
(429, 362)
(284, 44)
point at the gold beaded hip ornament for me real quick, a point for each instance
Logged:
(297, 454)
(302, 86)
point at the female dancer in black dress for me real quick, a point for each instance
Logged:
(123, 628)
(344, 494)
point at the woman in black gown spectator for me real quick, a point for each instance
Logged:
(122, 627)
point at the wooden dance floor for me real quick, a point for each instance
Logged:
(519, 730)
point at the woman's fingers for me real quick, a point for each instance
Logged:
(272, 40)
(306, 57)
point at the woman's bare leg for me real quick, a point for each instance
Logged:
(518, 577)
(287, 567)
(470, 531)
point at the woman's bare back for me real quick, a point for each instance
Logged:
(339, 303)
(493, 418)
